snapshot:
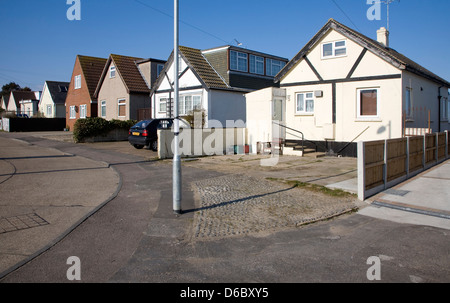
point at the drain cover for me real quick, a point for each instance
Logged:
(21, 222)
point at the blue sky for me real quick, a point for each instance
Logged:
(39, 42)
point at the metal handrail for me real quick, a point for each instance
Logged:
(303, 136)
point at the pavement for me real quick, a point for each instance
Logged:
(110, 206)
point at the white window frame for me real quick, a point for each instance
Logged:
(254, 62)
(271, 63)
(103, 106)
(195, 102)
(334, 48)
(77, 82)
(112, 71)
(305, 100)
(83, 111)
(358, 105)
(162, 102)
(72, 112)
(234, 63)
(49, 110)
(121, 102)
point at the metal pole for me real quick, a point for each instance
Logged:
(176, 155)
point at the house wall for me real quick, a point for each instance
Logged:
(137, 101)
(77, 97)
(12, 107)
(259, 117)
(334, 72)
(226, 106)
(112, 90)
(424, 98)
(46, 100)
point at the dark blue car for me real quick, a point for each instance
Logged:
(145, 133)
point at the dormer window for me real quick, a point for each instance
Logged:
(112, 71)
(238, 61)
(334, 49)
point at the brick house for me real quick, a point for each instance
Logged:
(80, 100)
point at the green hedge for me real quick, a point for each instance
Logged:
(91, 127)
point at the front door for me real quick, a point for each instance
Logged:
(279, 132)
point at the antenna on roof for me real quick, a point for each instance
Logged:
(388, 2)
(238, 43)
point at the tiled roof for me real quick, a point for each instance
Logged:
(23, 95)
(92, 70)
(200, 65)
(57, 91)
(388, 54)
(131, 76)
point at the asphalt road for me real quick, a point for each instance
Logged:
(135, 237)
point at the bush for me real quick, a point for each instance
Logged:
(91, 127)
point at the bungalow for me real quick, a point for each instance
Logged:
(344, 87)
(53, 98)
(23, 102)
(124, 86)
(4, 102)
(214, 81)
(80, 101)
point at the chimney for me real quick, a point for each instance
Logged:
(383, 36)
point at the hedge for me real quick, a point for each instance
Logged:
(90, 127)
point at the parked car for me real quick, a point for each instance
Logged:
(145, 133)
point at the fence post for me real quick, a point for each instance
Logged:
(424, 146)
(446, 144)
(407, 157)
(361, 171)
(436, 152)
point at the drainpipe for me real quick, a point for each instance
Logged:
(439, 107)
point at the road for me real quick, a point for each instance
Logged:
(135, 237)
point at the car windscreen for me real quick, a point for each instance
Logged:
(142, 124)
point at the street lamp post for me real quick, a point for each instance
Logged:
(176, 154)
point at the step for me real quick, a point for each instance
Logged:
(290, 151)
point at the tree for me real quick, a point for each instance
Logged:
(12, 86)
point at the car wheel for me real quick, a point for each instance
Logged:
(154, 145)
(138, 146)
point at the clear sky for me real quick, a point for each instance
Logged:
(39, 43)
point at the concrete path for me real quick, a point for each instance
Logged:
(45, 194)
(424, 200)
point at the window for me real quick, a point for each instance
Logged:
(78, 82)
(83, 111)
(256, 65)
(159, 69)
(334, 49)
(273, 67)
(367, 103)
(73, 113)
(238, 61)
(162, 105)
(49, 111)
(122, 108)
(112, 71)
(408, 104)
(305, 103)
(444, 108)
(103, 108)
(186, 104)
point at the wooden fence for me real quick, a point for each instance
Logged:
(383, 164)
